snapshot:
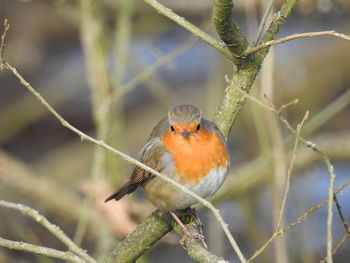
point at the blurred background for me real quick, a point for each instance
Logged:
(113, 69)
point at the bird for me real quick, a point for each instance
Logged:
(189, 149)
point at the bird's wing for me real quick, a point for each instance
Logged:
(151, 155)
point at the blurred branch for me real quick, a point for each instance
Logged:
(219, 46)
(122, 36)
(253, 50)
(276, 24)
(53, 229)
(337, 105)
(338, 246)
(263, 22)
(151, 70)
(92, 35)
(107, 113)
(295, 222)
(278, 168)
(16, 116)
(45, 251)
(227, 28)
(18, 176)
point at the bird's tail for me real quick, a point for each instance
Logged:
(127, 188)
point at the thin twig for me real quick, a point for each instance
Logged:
(152, 69)
(332, 33)
(295, 222)
(263, 22)
(45, 251)
(338, 246)
(286, 105)
(330, 208)
(341, 216)
(54, 229)
(2, 45)
(218, 45)
(289, 173)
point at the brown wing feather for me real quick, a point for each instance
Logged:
(150, 155)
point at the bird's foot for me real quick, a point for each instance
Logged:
(188, 233)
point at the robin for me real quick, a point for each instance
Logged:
(189, 149)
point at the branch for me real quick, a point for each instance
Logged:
(146, 234)
(149, 232)
(263, 22)
(227, 28)
(2, 44)
(289, 172)
(219, 46)
(196, 250)
(243, 77)
(276, 25)
(341, 216)
(338, 246)
(53, 229)
(253, 50)
(45, 251)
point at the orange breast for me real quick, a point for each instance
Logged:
(195, 156)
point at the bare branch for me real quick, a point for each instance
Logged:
(227, 28)
(263, 22)
(338, 246)
(289, 173)
(341, 216)
(196, 250)
(45, 251)
(2, 44)
(153, 228)
(253, 50)
(276, 24)
(219, 46)
(53, 229)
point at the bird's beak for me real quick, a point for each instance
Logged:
(185, 134)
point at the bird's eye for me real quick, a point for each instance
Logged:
(198, 127)
(172, 128)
